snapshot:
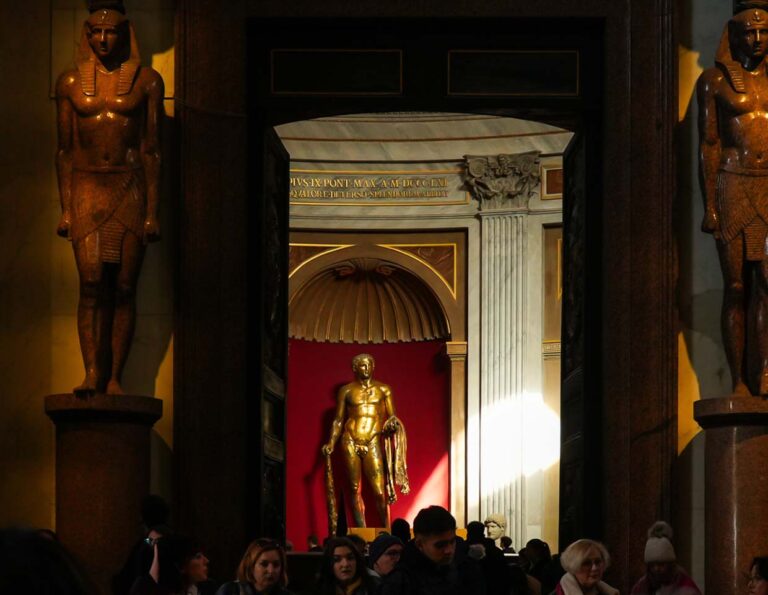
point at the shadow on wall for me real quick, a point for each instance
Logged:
(688, 472)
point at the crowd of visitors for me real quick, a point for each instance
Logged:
(432, 560)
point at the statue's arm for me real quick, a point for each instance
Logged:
(389, 408)
(709, 147)
(65, 122)
(338, 421)
(150, 152)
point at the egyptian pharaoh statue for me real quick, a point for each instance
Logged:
(365, 414)
(108, 162)
(733, 160)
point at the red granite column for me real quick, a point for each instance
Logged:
(736, 479)
(102, 473)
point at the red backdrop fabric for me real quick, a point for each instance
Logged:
(419, 375)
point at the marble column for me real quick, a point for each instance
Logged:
(503, 186)
(501, 369)
(102, 474)
(736, 493)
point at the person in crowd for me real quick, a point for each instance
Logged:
(262, 571)
(542, 566)
(429, 566)
(584, 562)
(506, 544)
(483, 550)
(154, 524)
(359, 542)
(178, 567)
(663, 576)
(758, 576)
(384, 553)
(313, 545)
(343, 570)
(31, 561)
(402, 530)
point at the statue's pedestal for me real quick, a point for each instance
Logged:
(102, 474)
(736, 476)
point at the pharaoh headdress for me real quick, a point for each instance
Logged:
(105, 11)
(724, 57)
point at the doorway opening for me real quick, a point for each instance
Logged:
(434, 242)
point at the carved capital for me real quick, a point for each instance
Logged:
(502, 181)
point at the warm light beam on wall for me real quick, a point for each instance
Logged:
(519, 438)
(432, 491)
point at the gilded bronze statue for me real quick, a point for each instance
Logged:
(733, 172)
(365, 415)
(109, 110)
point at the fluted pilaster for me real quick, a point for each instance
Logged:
(501, 405)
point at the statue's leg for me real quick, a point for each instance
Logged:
(733, 312)
(90, 324)
(352, 463)
(761, 294)
(373, 467)
(124, 321)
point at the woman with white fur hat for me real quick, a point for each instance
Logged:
(663, 576)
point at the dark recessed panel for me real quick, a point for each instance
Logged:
(336, 72)
(513, 72)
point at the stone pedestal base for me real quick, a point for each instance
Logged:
(736, 476)
(102, 473)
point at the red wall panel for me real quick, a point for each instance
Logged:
(419, 375)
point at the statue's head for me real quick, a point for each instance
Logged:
(748, 32)
(107, 37)
(107, 32)
(495, 525)
(362, 366)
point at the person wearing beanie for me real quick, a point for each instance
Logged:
(384, 554)
(402, 529)
(663, 576)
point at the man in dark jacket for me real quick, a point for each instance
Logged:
(429, 566)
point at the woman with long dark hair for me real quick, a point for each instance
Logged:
(343, 570)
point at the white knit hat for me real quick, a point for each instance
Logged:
(659, 548)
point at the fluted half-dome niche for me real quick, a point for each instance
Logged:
(366, 300)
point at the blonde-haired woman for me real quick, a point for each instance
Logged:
(261, 571)
(584, 562)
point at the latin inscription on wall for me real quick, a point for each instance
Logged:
(377, 188)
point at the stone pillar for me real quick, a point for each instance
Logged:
(501, 369)
(457, 353)
(736, 493)
(102, 474)
(503, 186)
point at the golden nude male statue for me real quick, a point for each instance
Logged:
(365, 414)
(110, 110)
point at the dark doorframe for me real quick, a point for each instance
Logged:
(634, 352)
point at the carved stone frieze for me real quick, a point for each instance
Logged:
(503, 181)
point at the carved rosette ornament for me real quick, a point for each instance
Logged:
(503, 181)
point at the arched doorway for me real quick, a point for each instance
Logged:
(364, 298)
